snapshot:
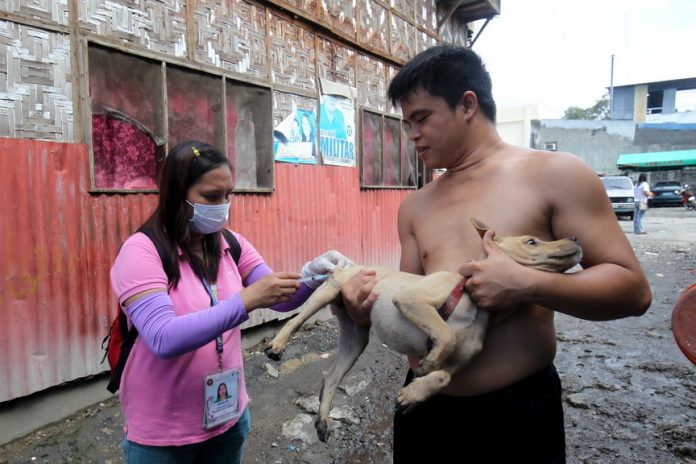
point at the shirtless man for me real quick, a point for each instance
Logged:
(507, 403)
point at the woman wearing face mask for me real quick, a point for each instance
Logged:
(188, 323)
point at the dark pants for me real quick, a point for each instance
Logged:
(227, 448)
(519, 423)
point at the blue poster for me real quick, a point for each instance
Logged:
(294, 139)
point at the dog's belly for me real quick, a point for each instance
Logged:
(394, 330)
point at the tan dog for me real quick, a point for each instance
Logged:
(406, 319)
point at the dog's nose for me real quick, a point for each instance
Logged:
(573, 238)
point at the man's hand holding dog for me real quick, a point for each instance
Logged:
(358, 296)
(496, 281)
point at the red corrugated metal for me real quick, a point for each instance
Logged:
(58, 241)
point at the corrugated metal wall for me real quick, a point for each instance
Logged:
(57, 242)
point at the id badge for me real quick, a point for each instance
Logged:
(221, 401)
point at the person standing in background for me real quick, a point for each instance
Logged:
(641, 193)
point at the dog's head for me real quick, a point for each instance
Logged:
(556, 256)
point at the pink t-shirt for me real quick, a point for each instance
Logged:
(162, 400)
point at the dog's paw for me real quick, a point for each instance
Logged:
(420, 390)
(273, 353)
(322, 427)
(425, 367)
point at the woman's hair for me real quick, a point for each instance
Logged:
(184, 165)
(446, 71)
(306, 137)
(642, 178)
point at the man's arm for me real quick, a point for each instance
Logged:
(611, 285)
(410, 253)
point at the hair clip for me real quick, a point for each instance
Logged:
(196, 153)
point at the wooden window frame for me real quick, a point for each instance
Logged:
(374, 170)
(263, 161)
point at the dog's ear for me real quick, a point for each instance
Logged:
(480, 226)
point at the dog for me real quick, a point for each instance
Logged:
(408, 318)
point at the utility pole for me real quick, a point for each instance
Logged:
(611, 90)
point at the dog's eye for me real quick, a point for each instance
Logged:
(531, 241)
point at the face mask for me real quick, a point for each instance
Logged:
(208, 218)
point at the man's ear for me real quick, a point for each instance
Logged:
(469, 101)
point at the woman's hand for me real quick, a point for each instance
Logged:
(271, 289)
(324, 264)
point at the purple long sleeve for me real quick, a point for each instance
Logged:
(169, 335)
(297, 298)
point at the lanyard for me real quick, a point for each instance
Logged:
(212, 291)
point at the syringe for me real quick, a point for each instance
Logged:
(314, 278)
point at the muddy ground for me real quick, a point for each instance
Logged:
(629, 393)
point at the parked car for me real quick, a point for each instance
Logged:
(667, 193)
(620, 192)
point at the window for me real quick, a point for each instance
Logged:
(128, 134)
(388, 157)
(134, 125)
(550, 146)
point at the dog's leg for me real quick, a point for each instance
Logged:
(469, 344)
(352, 340)
(419, 304)
(320, 298)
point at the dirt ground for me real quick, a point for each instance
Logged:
(629, 393)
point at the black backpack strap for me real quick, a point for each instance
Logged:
(235, 247)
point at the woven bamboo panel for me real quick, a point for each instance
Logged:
(424, 41)
(336, 62)
(426, 15)
(310, 7)
(403, 38)
(373, 26)
(284, 103)
(231, 34)
(48, 10)
(35, 84)
(340, 15)
(404, 7)
(293, 61)
(371, 82)
(159, 25)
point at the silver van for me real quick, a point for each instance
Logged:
(620, 192)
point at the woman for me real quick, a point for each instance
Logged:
(188, 324)
(641, 193)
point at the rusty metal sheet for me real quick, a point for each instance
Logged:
(56, 246)
(57, 243)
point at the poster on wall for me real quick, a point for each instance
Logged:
(294, 139)
(337, 124)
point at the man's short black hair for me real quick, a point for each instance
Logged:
(446, 71)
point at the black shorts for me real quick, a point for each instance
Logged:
(519, 423)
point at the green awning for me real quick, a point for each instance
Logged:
(657, 161)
